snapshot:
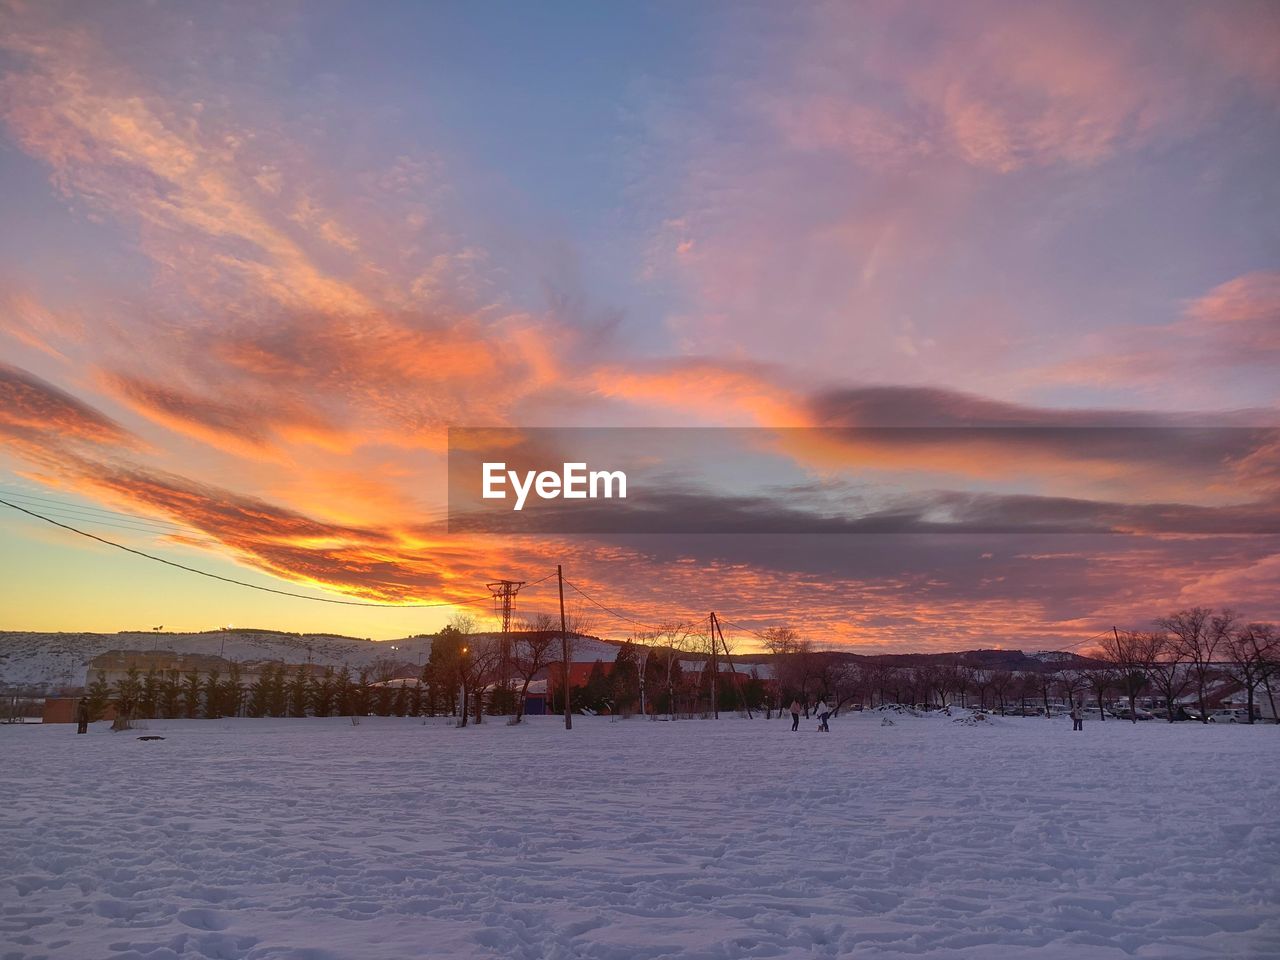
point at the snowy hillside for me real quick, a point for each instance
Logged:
(50, 661)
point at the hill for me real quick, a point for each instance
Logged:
(47, 662)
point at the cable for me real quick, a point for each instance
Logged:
(139, 530)
(738, 626)
(241, 583)
(615, 613)
(65, 505)
(1078, 643)
(123, 525)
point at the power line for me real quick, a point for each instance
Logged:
(125, 525)
(608, 610)
(738, 626)
(1072, 646)
(239, 583)
(88, 509)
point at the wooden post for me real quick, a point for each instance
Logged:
(564, 652)
(715, 622)
(715, 692)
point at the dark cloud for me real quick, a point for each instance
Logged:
(31, 407)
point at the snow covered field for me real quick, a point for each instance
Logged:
(314, 839)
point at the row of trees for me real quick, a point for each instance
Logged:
(468, 675)
(1191, 649)
(1187, 652)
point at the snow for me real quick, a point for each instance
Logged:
(316, 840)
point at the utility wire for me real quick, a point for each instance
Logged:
(125, 525)
(608, 610)
(67, 505)
(738, 626)
(241, 583)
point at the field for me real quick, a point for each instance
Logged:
(317, 839)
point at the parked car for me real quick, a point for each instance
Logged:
(1229, 715)
(1122, 713)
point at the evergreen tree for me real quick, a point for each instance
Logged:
(383, 701)
(624, 679)
(278, 699)
(232, 691)
(260, 693)
(360, 696)
(442, 671)
(299, 692)
(415, 700)
(170, 695)
(149, 702)
(98, 695)
(322, 694)
(343, 693)
(191, 695)
(213, 695)
(595, 695)
(128, 691)
(401, 705)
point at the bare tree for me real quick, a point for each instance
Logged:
(979, 680)
(782, 643)
(961, 682)
(1198, 633)
(1251, 652)
(1270, 660)
(1168, 671)
(1131, 654)
(1100, 680)
(666, 646)
(1073, 683)
(847, 683)
(1001, 681)
(532, 649)
(477, 666)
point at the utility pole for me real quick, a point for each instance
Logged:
(504, 595)
(564, 651)
(715, 623)
(711, 635)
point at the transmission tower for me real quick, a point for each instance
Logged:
(504, 597)
(504, 601)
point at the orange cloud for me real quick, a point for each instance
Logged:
(30, 407)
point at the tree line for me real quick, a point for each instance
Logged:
(1184, 652)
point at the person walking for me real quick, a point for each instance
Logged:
(823, 712)
(82, 716)
(795, 715)
(1077, 718)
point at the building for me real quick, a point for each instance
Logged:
(63, 710)
(114, 666)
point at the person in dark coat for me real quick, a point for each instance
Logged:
(82, 716)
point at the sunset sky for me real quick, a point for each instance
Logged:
(256, 259)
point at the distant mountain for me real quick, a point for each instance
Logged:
(48, 662)
(1013, 660)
